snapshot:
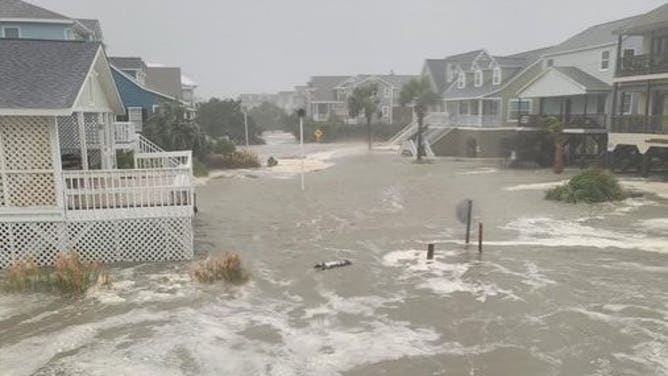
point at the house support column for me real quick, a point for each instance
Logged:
(82, 140)
(647, 95)
(480, 113)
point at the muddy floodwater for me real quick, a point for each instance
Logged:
(558, 290)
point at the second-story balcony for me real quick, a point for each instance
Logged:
(638, 65)
(571, 121)
(651, 124)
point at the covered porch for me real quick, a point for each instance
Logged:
(476, 113)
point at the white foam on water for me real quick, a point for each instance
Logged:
(535, 186)
(480, 171)
(441, 276)
(356, 305)
(392, 199)
(20, 303)
(652, 354)
(551, 232)
(655, 224)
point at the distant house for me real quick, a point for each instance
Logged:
(164, 79)
(328, 96)
(22, 20)
(639, 108)
(134, 67)
(60, 186)
(254, 100)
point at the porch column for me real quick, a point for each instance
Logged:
(618, 61)
(82, 140)
(480, 112)
(585, 105)
(647, 105)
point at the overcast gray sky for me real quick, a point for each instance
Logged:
(233, 47)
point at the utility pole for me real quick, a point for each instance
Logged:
(301, 113)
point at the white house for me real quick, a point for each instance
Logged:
(60, 189)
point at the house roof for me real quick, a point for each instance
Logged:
(593, 36)
(523, 58)
(436, 68)
(21, 9)
(38, 74)
(323, 87)
(651, 20)
(470, 90)
(589, 82)
(127, 62)
(464, 57)
(92, 25)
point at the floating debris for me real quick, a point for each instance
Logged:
(332, 264)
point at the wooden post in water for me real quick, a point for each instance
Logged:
(430, 251)
(480, 237)
(468, 221)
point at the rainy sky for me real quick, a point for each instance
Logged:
(233, 47)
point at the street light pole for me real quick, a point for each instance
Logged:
(301, 113)
(246, 127)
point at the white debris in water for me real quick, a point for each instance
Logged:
(535, 186)
(480, 171)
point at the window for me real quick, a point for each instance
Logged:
(496, 76)
(387, 92)
(450, 72)
(605, 60)
(461, 80)
(11, 32)
(549, 62)
(385, 110)
(463, 108)
(627, 100)
(517, 106)
(490, 108)
(474, 107)
(477, 78)
(628, 52)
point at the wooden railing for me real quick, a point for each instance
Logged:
(125, 189)
(642, 64)
(124, 134)
(573, 121)
(484, 121)
(640, 124)
(164, 159)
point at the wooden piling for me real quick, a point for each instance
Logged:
(468, 221)
(430, 251)
(480, 237)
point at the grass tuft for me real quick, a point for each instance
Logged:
(69, 275)
(226, 267)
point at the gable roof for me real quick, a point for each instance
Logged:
(127, 62)
(45, 75)
(323, 87)
(590, 82)
(597, 35)
(653, 19)
(142, 87)
(436, 69)
(93, 27)
(21, 9)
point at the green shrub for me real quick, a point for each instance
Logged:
(238, 159)
(199, 168)
(125, 159)
(591, 186)
(226, 267)
(224, 146)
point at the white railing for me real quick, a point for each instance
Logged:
(404, 134)
(144, 145)
(164, 159)
(124, 134)
(127, 189)
(487, 121)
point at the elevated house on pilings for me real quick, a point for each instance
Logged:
(639, 132)
(60, 188)
(575, 87)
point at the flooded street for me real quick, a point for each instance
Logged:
(559, 289)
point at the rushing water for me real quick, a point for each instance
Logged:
(559, 289)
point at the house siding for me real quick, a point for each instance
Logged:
(39, 31)
(134, 96)
(510, 91)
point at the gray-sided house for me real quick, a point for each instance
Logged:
(640, 92)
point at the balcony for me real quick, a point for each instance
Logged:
(653, 124)
(639, 65)
(572, 121)
(478, 121)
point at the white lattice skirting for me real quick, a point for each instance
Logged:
(106, 241)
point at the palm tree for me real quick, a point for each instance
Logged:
(556, 128)
(418, 93)
(364, 100)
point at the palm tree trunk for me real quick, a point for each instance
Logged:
(368, 131)
(420, 152)
(558, 167)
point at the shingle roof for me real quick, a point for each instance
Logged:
(43, 74)
(651, 20)
(593, 36)
(93, 25)
(127, 62)
(323, 87)
(436, 68)
(464, 57)
(470, 91)
(21, 9)
(590, 82)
